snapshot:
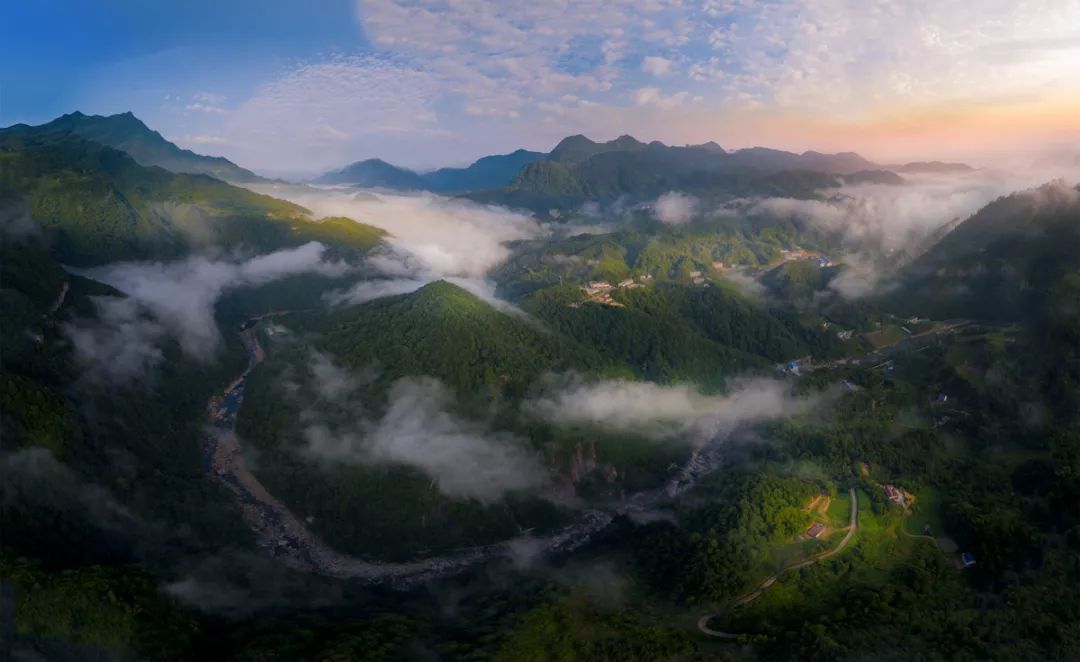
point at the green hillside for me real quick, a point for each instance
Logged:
(445, 332)
(99, 205)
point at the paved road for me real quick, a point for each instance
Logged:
(703, 622)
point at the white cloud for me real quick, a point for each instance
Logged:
(664, 411)
(433, 236)
(657, 66)
(176, 299)
(450, 81)
(204, 108)
(652, 96)
(675, 208)
(327, 113)
(464, 458)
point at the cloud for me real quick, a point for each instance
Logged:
(322, 114)
(652, 96)
(663, 411)
(238, 584)
(657, 66)
(201, 139)
(34, 476)
(332, 382)
(748, 284)
(418, 430)
(431, 238)
(369, 290)
(16, 221)
(175, 299)
(122, 341)
(439, 235)
(204, 108)
(883, 226)
(446, 82)
(675, 208)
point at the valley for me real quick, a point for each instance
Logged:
(656, 410)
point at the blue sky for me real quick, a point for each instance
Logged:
(291, 87)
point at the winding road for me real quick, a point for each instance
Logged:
(286, 537)
(703, 622)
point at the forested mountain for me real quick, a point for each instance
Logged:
(485, 173)
(99, 205)
(374, 173)
(933, 168)
(579, 169)
(1007, 262)
(127, 133)
(444, 331)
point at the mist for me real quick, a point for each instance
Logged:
(663, 411)
(442, 236)
(122, 341)
(16, 221)
(174, 300)
(419, 429)
(675, 208)
(882, 227)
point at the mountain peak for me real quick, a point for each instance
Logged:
(127, 133)
(374, 173)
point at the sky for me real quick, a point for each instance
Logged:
(293, 88)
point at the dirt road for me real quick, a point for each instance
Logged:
(703, 622)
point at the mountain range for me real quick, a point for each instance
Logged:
(129, 134)
(579, 168)
(486, 173)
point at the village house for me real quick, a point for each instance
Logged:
(895, 495)
(816, 530)
(597, 286)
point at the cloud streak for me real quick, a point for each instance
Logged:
(663, 411)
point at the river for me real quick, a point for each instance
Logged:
(283, 535)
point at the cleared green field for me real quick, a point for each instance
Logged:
(839, 512)
(887, 335)
(925, 512)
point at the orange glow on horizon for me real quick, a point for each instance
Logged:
(989, 131)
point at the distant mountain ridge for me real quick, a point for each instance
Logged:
(578, 168)
(932, 167)
(486, 173)
(129, 134)
(374, 173)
